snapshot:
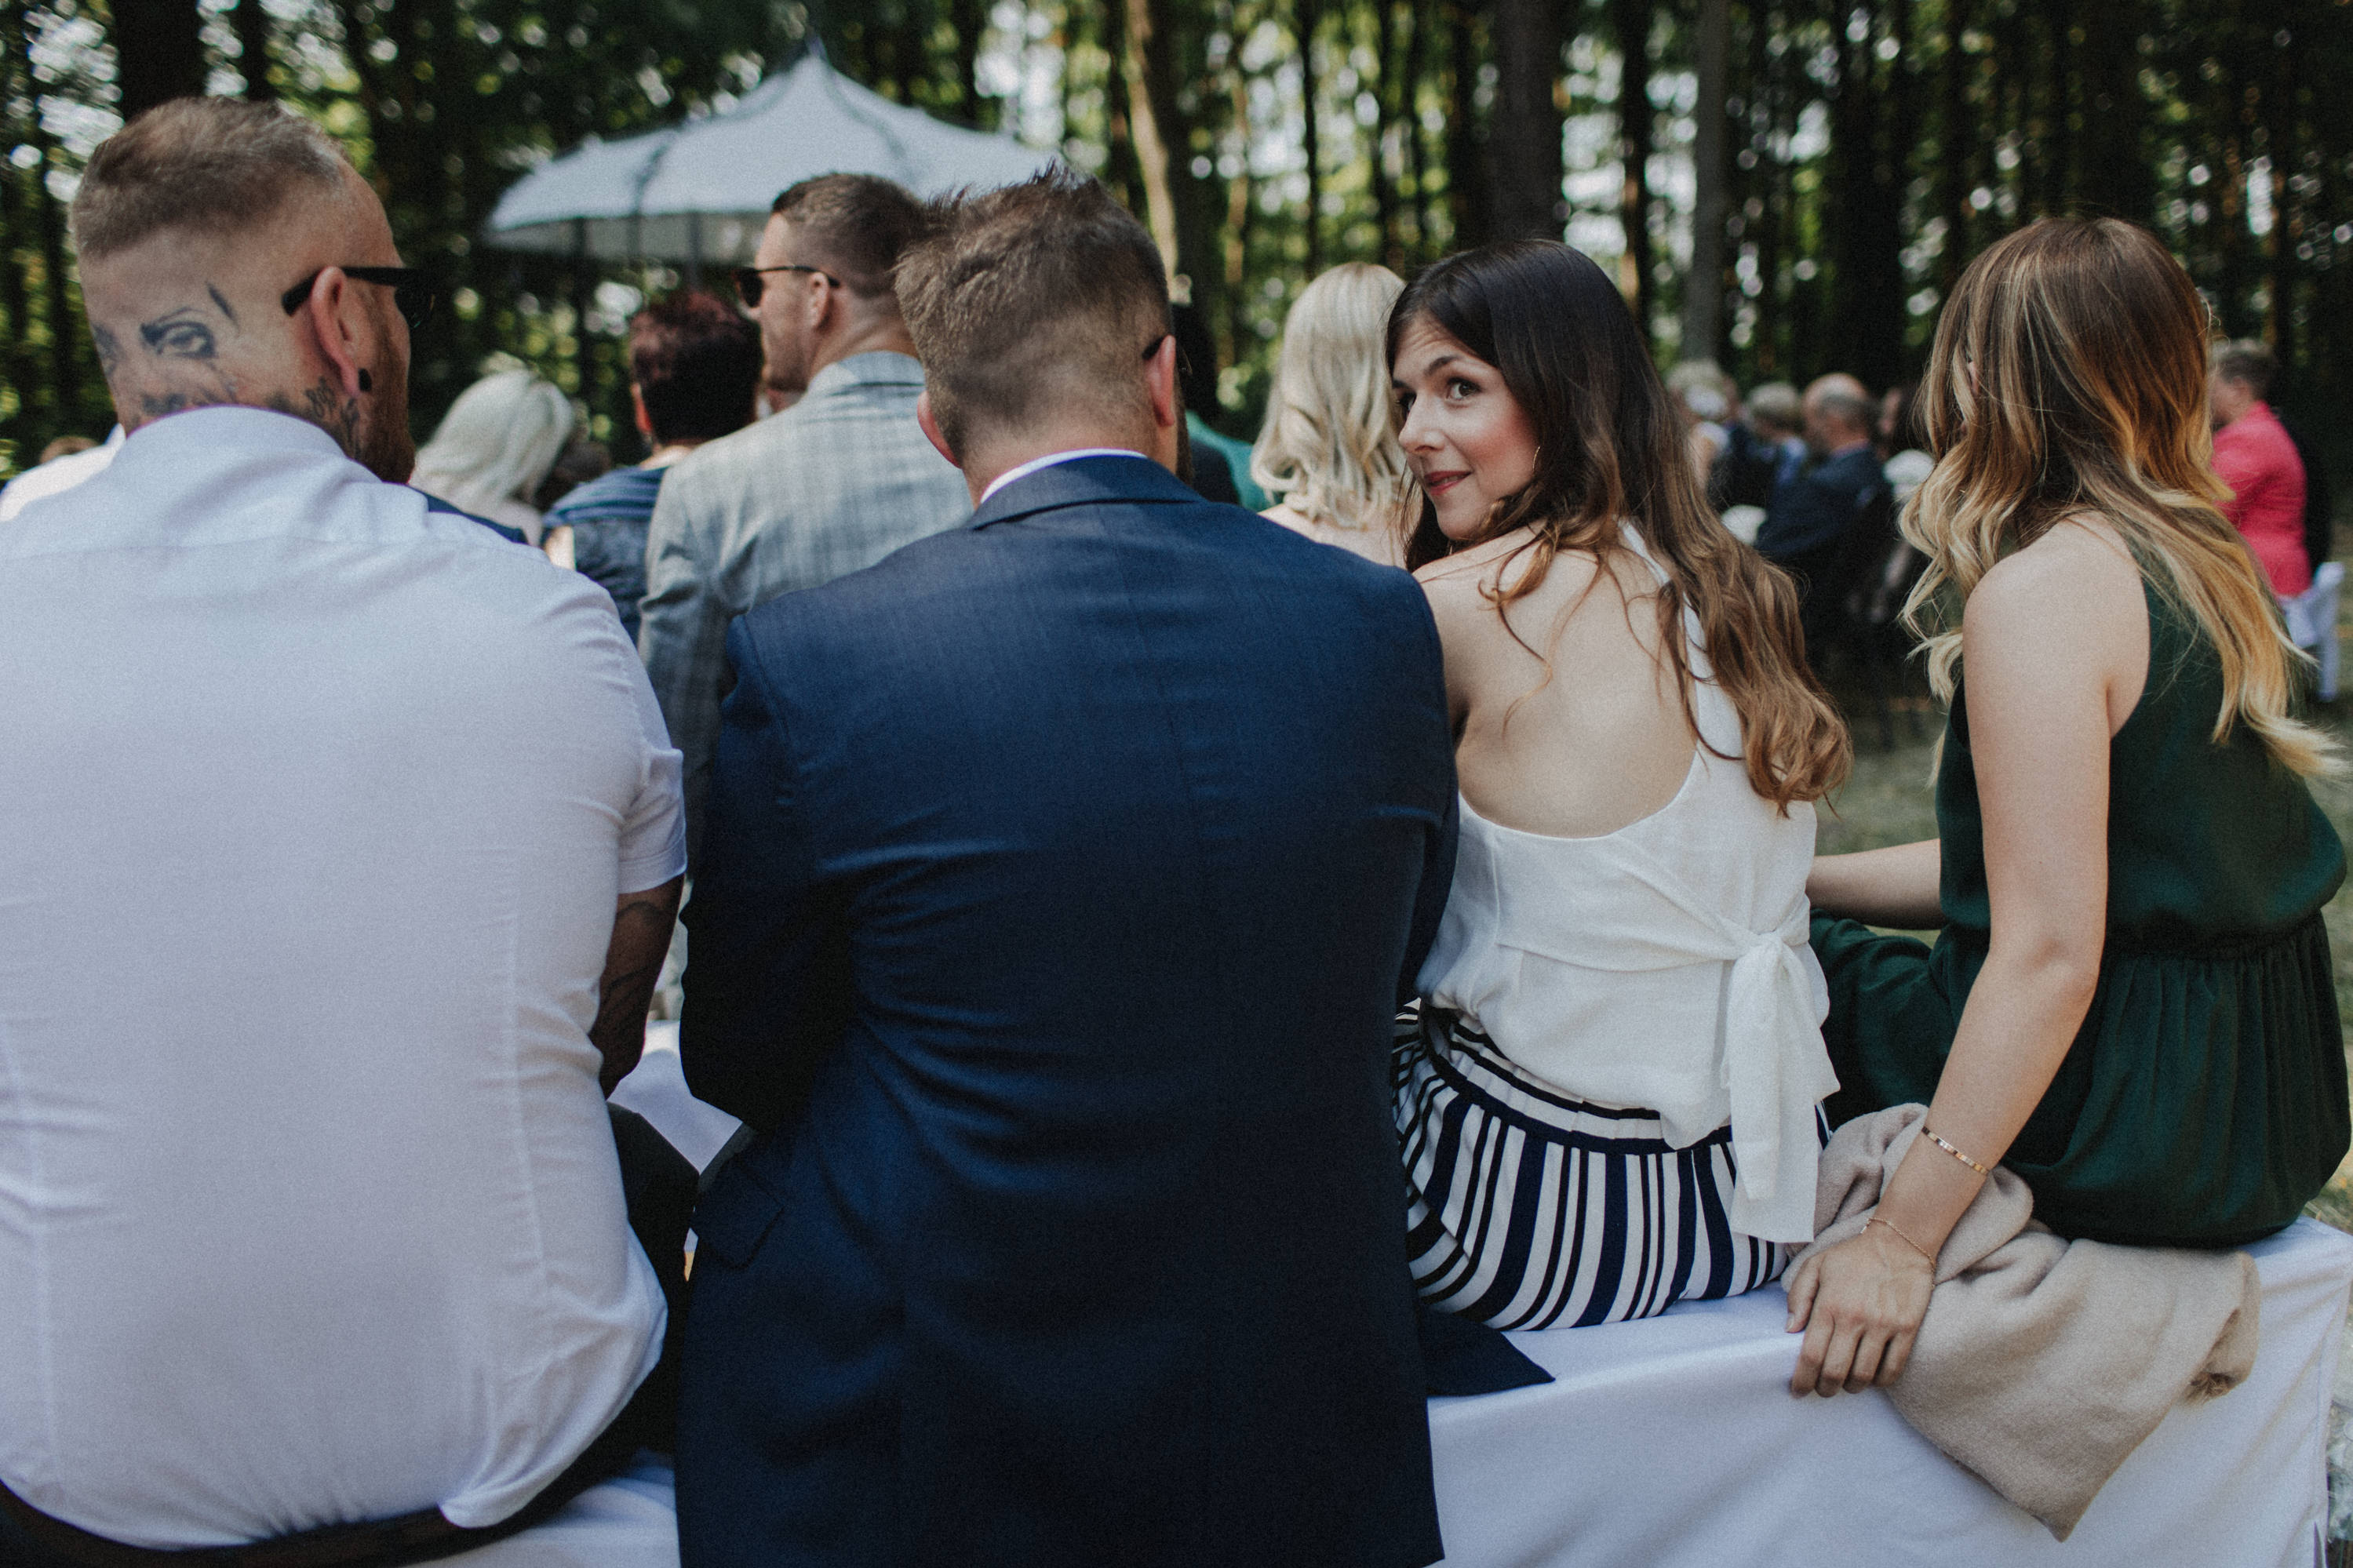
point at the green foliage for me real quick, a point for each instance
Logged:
(1872, 148)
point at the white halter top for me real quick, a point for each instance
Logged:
(1662, 967)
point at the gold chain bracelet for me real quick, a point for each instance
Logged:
(1907, 1240)
(1926, 1133)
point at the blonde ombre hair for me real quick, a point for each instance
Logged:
(2069, 375)
(1327, 449)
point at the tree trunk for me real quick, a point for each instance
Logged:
(1703, 290)
(1631, 21)
(159, 53)
(1523, 137)
(57, 296)
(252, 25)
(16, 300)
(1164, 145)
(1386, 216)
(1466, 190)
(1419, 18)
(2117, 176)
(1123, 167)
(1956, 135)
(968, 19)
(1866, 320)
(1309, 22)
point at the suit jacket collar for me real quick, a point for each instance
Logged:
(1085, 481)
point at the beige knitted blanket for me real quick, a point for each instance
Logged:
(2043, 1362)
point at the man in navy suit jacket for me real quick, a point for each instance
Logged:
(1063, 870)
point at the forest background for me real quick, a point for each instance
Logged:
(1785, 186)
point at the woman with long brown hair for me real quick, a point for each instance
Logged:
(1609, 1103)
(2131, 1002)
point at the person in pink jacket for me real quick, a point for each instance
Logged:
(2255, 456)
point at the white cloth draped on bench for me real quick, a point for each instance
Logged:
(1673, 1442)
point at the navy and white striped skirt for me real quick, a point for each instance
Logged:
(1530, 1209)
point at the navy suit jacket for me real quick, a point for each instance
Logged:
(1813, 511)
(1061, 875)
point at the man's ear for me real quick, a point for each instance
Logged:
(339, 325)
(931, 424)
(637, 406)
(1160, 374)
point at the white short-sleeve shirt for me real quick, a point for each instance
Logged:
(317, 805)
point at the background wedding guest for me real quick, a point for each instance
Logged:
(343, 843)
(1327, 452)
(58, 472)
(694, 361)
(1619, 1003)
(834, 482)
(583, 458)
(1763, 450)
(1061, 870)
(1709, 405)
(2254, 455)
(2131, 1004)
(1807, 523)
(1220, 465)
(494, 447)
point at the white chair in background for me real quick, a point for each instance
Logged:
(2312, 622)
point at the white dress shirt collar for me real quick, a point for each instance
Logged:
(1023, 470)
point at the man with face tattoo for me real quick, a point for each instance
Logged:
(343, 840)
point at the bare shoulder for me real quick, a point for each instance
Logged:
(1473, 578)
(2066, 613)
(2079, 574)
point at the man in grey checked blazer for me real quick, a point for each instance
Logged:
(833, 484)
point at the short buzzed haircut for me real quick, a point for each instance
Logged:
(859, 225)
(211, 165)
(1043, 295)
(695, 360)
(2248, 363)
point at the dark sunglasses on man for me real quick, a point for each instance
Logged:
(413, 294)
(750, 285)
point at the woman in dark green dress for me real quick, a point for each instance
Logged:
(2131, 1002)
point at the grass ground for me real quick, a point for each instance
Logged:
(1887, 800)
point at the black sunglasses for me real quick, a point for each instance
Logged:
(413, 294)
(750, 285)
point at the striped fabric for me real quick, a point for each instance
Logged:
(1530, 1209)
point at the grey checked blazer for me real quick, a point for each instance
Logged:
(829, 486)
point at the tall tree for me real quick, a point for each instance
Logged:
(1525, 130)
(1309, 22)
(1865, 322)
(159, 52)
(1703, 290)
(250, 22)
(1632, 20)
(1466, 183)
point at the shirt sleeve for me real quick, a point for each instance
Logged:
(682, 635)
(653, 829)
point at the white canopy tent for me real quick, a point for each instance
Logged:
(700, 192)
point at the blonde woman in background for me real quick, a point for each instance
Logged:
(2132, 1003)
(1327, 452)
(495, 448)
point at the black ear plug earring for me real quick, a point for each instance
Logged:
(367, 381)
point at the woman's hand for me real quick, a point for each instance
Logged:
(1860, 1304)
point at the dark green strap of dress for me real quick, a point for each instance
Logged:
(2203, 1102)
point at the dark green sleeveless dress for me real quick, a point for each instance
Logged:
(2203, 1102)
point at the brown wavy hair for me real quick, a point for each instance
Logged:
(2069, 376)
(1610, 448)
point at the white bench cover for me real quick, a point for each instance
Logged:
(1675, 1441)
